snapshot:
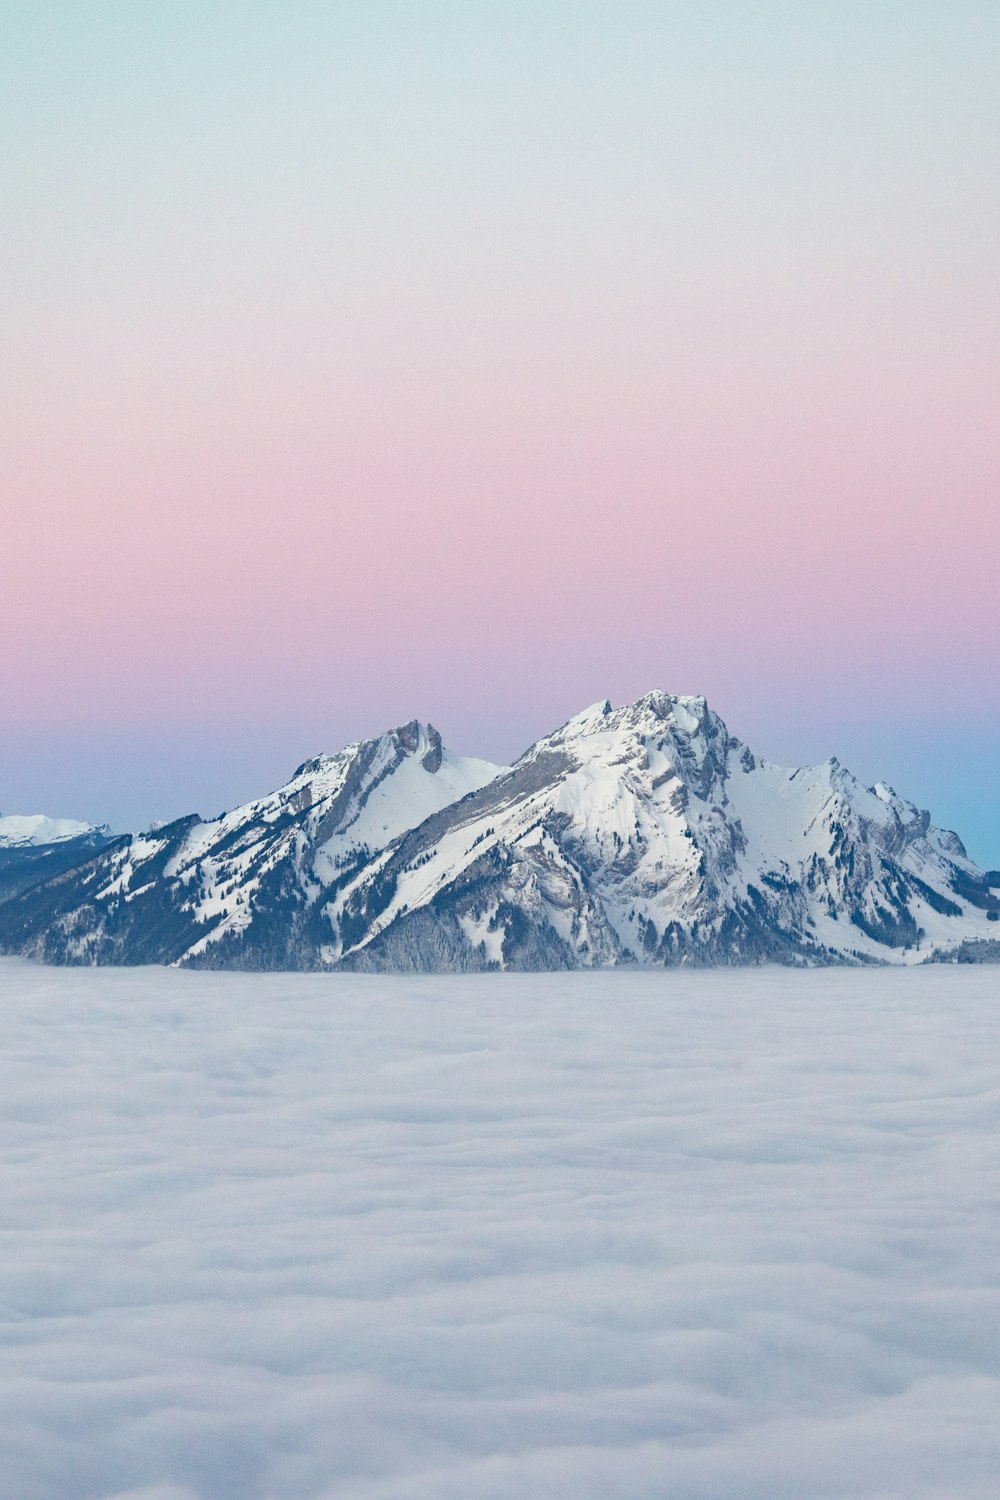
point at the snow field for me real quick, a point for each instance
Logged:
(728, 1235)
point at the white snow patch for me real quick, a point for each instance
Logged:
(477, 930)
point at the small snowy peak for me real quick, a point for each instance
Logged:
(328, 783)
(652, 713)
(36, 828)
(590, 720)
(687, 716)
(679, 736)
(395, 781)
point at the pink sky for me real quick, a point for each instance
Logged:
(483, 368)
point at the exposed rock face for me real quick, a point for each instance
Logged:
(435, 755)
(643, 835)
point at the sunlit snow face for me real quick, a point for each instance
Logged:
(290, 1237)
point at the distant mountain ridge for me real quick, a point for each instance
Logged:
(644, 835)
(35, 828)
(35, 847)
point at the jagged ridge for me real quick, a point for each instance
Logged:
(646, 834)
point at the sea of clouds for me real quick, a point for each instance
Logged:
(731, 1235)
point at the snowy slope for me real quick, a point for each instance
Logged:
(646, 834)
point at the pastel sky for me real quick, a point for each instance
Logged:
(474, 361)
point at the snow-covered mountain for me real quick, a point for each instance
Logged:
(244, 888)
(36, 828)
(649, 834)
(641, 835)
(34, 847)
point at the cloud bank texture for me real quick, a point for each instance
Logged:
(574, 1237)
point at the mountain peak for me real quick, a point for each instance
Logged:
(687, 714)
(664, 703)
(640, 834)
(404, 740)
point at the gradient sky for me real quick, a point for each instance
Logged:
(475, 361)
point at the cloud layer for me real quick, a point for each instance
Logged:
(588, 1237)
